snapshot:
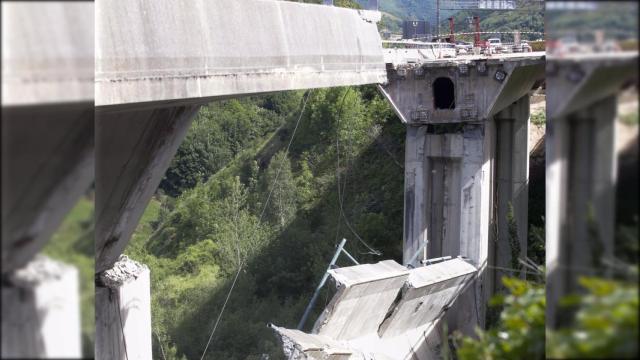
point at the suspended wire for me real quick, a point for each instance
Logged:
(371, 251)
(221, 311)
(160, 343)
(241, 263)
(304, 105)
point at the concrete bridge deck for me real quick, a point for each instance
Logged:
(163, 50)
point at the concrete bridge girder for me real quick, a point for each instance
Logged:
(585, 79)
(150, 52)
(482, 88)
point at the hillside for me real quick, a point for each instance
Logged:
(348, 149)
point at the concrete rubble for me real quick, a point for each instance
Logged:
(123, 271)
(382, 311)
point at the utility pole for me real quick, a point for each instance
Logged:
(438, 19)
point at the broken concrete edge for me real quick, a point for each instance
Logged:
(300, 344)
(365, 273)
(296, 341)
(40, 269)
(123, 271)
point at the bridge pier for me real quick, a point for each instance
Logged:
(581, 169)
(41, 311)
(466, 167)
(134, 148)
(123, 312)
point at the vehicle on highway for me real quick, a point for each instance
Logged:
(495, 45)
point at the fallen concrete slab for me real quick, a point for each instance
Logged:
(299, 345)
(426, 295)
(382, 311)
(365, 293)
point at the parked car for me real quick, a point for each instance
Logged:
(495, 44)
(463, 47)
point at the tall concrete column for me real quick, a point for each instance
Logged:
(414, 193)
(511, 193)
(134, 148)
(580, 198)
(41, 311)
(581, 169)
(123, 312)
(466, 165)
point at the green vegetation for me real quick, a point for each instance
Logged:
(520, 332)
(539, 118)
(507, 21)
(348, 149)
(353, 4)
(619, 20)
(605, 324)
(630, 118)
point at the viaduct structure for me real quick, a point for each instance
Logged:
(152, 75)
(157, 62)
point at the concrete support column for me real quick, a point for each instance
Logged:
(415, 224)
(133, 151)
(580, 200)
(134, 148)
(511, 193)
(447, 191)
(123, 312)
(41, 311)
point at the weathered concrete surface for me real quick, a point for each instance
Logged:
(512, 182)
(466, 163)
(302, 346)
(427, 294)
(133, 151)
(47, 120)
(583, 79)
(382, 311)
(47, 52)
(478, 95)
(47, 164)
(164, 50)
(365, 293)
(581, 167)
(123, 312)
(41, 311)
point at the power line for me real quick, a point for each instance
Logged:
(221, 311)
(241, 263)
(341, 194)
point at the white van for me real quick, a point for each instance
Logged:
(495, 44)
